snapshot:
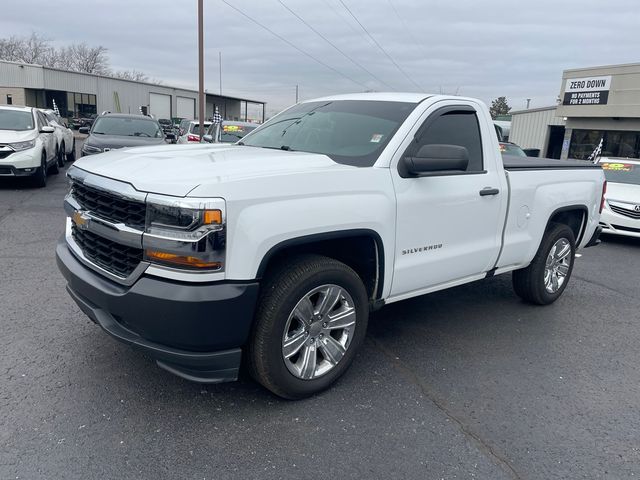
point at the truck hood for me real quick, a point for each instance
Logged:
(178, 169)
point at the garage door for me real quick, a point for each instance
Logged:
(160, 105)
(186, 107)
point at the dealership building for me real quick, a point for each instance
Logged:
(598, 103)
(81, 94)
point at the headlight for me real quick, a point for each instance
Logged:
(91, 149)
(19, 146)
(185, 233)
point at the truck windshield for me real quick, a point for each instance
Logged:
(621, 172)
(353, 132)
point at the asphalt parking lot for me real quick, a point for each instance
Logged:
(467, 383)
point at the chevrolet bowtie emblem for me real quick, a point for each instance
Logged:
(80, 220)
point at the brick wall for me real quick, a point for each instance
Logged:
(17, 95)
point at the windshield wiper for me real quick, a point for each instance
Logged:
(99, 133)
(282, 147)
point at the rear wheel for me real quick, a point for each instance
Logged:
(544, 280)
(60, 157)
(54, 165)
(40, 177)
(312, 317)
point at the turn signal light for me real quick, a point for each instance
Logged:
(182, 260)
(212, 217)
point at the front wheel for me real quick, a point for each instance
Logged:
(39, 178)
(71, 156)
(312, 317)
(544, 280)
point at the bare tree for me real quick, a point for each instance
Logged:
(89, 59)
(78, 57)
(131, 75)
(32, 49)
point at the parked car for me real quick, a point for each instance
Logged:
(228, 131)
(27, 144)
(190, 131)
(508, 148)
(167, 127)
(65, 142)
(87, 121)
(278, 247)
(111, 131)
(621, 213)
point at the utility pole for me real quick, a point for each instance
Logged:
(296, 93)
(220, 68)
(201, 97)
(528, 102)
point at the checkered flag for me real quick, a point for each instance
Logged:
(55, 108)
(595, 155)
(217, 118)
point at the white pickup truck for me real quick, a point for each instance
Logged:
(274, 250)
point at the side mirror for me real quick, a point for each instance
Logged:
(437, 158)
(208, 138)
(47, 129)
(83, 130)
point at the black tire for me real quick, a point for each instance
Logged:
(39, 178)
(283, 288)
(53, 168)
(529, 283)
(71, 157)
(61, 155)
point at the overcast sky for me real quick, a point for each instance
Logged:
(479, 48)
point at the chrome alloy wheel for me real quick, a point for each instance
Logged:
(557, 265)
(318, 331)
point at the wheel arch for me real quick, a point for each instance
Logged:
(361, 249)
(574, 216)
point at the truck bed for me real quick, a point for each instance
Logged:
(512, 162)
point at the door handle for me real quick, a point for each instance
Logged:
(489, 191)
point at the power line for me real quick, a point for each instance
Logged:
(293, 45)
(379, 46)
(416, 40)
(332, 44)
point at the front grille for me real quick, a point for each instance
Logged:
(109, 206)
(625, 211)
(5, 153)
(113, 257)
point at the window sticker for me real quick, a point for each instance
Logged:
(617, 167)
(376, 137)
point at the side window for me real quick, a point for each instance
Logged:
(42, 121)
(454, 127)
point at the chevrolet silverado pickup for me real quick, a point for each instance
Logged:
(271, 252)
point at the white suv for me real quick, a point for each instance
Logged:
(65, 143)
(27, 144)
